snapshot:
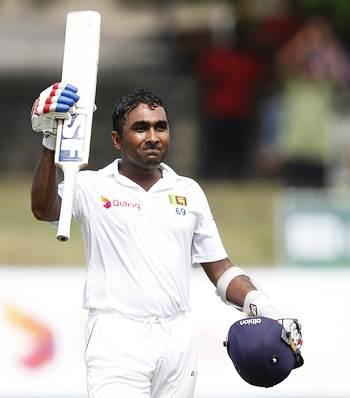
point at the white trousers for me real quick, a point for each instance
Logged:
(153, 358)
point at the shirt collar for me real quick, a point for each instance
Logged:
(167, 181)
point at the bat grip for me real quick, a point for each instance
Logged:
(70, 175)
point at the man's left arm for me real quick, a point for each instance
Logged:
(232, 283)
(235, 287)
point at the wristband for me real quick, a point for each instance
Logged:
(257, 303)
(224, 281)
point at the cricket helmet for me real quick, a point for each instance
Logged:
(261, 351)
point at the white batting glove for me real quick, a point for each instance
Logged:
(257, 303)
(55, 102)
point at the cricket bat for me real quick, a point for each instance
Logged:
(80, 66)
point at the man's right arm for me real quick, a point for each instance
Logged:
(46, 203)
(53, 103)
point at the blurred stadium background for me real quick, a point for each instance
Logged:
(258, 98)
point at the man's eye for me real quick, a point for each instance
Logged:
(140, 129)
(161, 127)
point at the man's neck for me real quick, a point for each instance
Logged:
(146, 178)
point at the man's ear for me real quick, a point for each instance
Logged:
(116, 140)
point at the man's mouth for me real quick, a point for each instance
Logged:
(152, 151)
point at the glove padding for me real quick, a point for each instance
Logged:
(55, 102)
(293, 333)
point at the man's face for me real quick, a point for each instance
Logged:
(145, 137)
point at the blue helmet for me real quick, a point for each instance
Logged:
(261, 351)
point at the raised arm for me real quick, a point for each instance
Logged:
(53, 103)
(46, 202)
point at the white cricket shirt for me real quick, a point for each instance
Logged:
(140, 245)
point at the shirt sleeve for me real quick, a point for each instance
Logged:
(206, 244)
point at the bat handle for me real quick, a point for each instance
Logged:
(70, 175)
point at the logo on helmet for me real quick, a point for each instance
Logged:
(250, 321)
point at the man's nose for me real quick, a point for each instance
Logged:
(152, 135)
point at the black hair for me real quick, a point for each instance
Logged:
(129, 102)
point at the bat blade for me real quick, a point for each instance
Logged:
(80, 66)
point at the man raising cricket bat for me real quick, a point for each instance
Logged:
(143, 227)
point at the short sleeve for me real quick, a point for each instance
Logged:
(206, 244)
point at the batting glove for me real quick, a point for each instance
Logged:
(55, 102)
(257, 303)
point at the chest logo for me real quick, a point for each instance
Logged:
(177, 200)
(107, 203)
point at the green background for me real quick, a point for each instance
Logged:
(243, 213)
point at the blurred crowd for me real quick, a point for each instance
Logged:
(273, 98)
(258, 89)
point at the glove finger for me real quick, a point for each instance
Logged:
(57, 89)
(59, 101)
(60, 93)
(65, 93)
(68, 86)
(64, 86)
(53, 110)
(62, 99)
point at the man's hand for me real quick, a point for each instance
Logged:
(55, 102)
(258, 304)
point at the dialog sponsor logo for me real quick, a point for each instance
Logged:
(108, 203)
